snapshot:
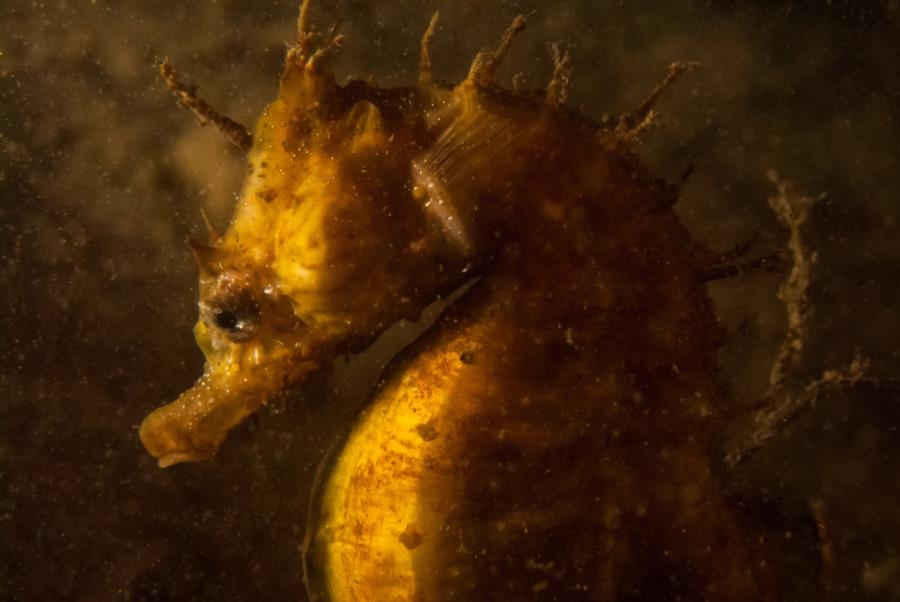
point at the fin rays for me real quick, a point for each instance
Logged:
(443, 174)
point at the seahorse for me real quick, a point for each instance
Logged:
(549, 436)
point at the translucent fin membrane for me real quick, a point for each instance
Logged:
(445, 175)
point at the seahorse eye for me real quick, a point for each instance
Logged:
(226, 320)
(238, 316)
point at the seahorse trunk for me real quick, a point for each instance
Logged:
(546, 440)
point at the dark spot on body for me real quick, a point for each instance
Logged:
(427, 431)
(268, 195)
(411, 538)
(467, 357)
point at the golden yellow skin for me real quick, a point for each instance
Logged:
(548, 437)
(326, 251)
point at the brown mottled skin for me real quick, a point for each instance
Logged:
(549, 437)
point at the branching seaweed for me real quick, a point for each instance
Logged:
(792, 210)
(785, 400)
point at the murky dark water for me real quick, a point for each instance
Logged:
(101, 178)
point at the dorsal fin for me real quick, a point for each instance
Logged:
(443, 174)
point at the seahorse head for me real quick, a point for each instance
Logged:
(361, 206)
(327, 248)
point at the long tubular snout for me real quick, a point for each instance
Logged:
(192, 428)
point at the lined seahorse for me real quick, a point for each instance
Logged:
(548, 437)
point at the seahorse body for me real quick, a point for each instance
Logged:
(548, 437)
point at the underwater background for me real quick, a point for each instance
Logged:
(102, 177)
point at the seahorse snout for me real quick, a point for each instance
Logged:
(181, 431)
(191, 428)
